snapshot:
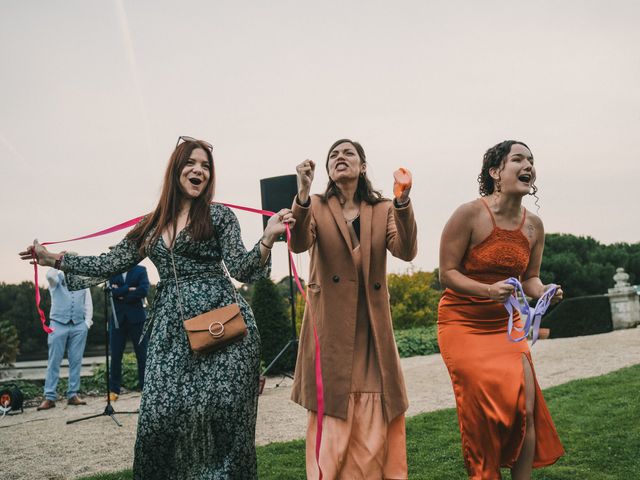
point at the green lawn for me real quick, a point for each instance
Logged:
(598, 420)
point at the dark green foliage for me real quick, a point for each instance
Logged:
(17, 306)
(29, 389)
(96, 384)
(129, 376)
(579, 316)
(584, 266)
(8, 342)
(413, 298)
(417, 341)
(272, 317)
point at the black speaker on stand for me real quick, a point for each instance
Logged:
(278, 193)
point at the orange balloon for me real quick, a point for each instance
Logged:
(402, 181)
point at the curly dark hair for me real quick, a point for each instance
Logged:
(494, 158)
(364, 191)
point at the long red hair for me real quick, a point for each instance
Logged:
(148, 231)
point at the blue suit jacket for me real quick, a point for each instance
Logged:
(129, 303)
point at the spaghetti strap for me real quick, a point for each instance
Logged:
(486, 205)
(524, 217)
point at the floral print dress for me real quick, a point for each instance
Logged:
(198, 412)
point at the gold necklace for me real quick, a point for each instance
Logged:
(349, 220)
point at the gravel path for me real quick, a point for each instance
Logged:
(39, 445)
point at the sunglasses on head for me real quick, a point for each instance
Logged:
(185, 138)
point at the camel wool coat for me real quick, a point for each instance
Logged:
(333, 294)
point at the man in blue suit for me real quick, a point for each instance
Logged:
(128, 290)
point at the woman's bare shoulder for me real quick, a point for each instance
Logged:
(468, 210)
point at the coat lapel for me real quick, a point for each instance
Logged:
(366, 214)
(336, 211)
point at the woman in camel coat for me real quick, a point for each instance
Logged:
(348, 231)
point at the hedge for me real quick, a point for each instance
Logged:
(417, 341)
(575, 317)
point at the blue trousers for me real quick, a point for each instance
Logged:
(72, 338)
(118, 340)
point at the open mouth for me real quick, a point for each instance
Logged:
(526, 178)
(195, 181)
(341, 166)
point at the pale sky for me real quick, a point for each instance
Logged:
(94, 94)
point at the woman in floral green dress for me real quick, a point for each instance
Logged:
(198, 412)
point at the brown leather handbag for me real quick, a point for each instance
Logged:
(216, 328)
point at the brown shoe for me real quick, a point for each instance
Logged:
(46, 405)
(75, 401)
(113, 396)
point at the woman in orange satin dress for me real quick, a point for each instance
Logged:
(504, 421)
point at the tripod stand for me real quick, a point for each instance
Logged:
(293, 341)
(108, 410)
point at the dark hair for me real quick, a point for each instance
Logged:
(167, 210)
(364, 191)
(494, 158)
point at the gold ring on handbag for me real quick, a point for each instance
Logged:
(200, 329)
(218, 333)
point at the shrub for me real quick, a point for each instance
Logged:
(579, 316)
(95, 384)
(129, 380)
(8, 342)
(417, 341)
(414, 299)
(30, 389)
(272, 317)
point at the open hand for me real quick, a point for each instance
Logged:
(37, 254)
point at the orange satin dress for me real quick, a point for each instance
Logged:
(486, 368)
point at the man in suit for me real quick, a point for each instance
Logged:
(128, 289)
(70, 318)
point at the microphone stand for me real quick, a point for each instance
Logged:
(293, 341)
(108, 410)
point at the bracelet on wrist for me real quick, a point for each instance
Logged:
(265, 245)
(57, 264)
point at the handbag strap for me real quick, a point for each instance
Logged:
(235, 290)
(175, 276)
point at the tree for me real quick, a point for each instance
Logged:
(584, 266)
(414, 298)
(8, 342)
(17, 306)
(272, 317)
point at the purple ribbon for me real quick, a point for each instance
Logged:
(532, 318)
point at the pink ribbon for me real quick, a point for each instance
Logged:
(115, 228)
(318, 366)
